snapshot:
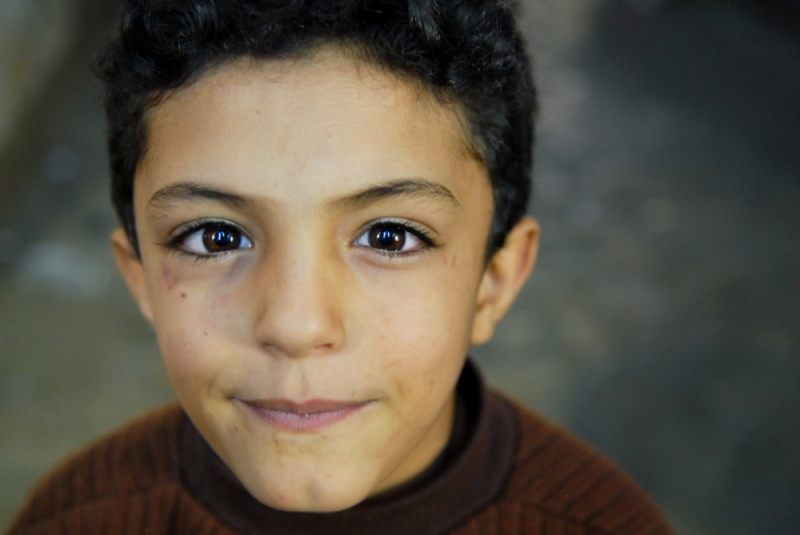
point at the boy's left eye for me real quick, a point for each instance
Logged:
(391, 238)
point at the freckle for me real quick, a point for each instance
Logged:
(205, 333)
(183, 294)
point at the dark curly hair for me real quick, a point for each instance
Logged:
(467, 52)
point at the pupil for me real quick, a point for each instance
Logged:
(218, 239)
(388, 238)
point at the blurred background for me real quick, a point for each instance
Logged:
(662, 322)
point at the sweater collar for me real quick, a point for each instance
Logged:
(466, 477)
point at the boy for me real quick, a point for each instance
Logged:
(323, 208)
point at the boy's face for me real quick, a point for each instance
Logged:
(312, 241)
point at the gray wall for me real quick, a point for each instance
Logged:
(35, 36)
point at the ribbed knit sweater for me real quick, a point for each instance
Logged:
(506, 471)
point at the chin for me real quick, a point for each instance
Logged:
(312, 497)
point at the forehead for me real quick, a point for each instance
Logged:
(326, 113)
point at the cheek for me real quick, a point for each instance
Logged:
(202, 299)
(420, 328)
(186, 369)
(194, 323)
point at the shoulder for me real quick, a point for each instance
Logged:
(559, 475)
(121, 468)
(561, 485)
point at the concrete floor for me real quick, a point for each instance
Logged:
(662, 322)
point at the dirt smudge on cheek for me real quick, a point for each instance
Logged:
(170, 280)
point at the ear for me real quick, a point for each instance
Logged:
(503, 278)
(130, 266)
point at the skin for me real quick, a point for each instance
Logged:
(301, 158)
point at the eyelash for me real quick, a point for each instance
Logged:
(184, 231)
(406, 225)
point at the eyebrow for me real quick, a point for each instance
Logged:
(414, 187)
(190, 191)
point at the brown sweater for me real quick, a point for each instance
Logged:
(505, 471)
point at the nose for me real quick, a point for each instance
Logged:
(300, 309)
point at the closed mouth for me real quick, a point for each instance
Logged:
(306, 416)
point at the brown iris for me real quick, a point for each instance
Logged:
(221, 238)
(387, 237)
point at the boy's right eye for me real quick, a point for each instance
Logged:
(211, 239)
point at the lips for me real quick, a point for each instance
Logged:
(307, 416)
